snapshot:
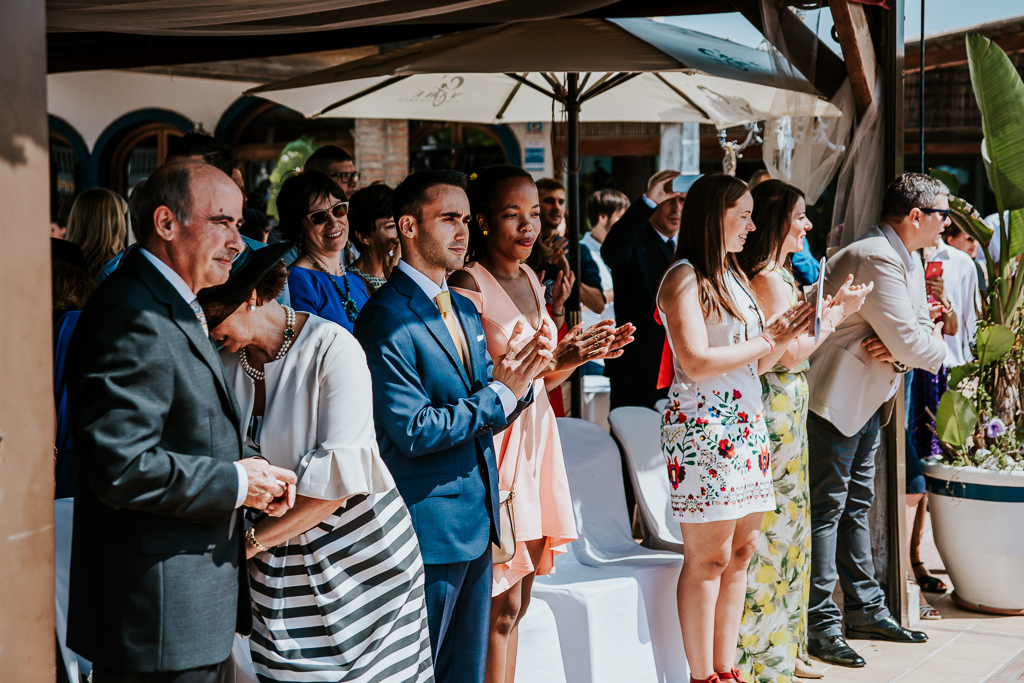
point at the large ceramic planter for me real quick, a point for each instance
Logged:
(978, 525)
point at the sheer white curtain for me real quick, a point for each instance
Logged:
(800, 148)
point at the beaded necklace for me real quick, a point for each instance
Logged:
(289, 337)
(347, 302)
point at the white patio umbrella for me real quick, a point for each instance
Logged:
(596, 69)
(631, 70)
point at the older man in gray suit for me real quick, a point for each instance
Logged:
(853, 374)
(158, 585)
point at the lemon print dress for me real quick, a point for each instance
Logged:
(773, 631)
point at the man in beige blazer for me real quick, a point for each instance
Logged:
(853, 374)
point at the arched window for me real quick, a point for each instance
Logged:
(456, 146)
(64, 176)
(261, 131)
(139, 153)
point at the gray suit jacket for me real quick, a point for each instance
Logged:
(158, 579)
(847, 384)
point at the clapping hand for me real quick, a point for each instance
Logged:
(392, 257)
(564, 282)
(850, 297)
(784, 327)
(601, 340)
(271, 488)
(525, 357)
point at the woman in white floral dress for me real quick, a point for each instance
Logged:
(773, 629)
(714, 436)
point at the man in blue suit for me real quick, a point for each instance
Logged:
(437, 400)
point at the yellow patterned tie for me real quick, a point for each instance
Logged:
(444, 304)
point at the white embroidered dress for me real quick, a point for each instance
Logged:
(713, 433)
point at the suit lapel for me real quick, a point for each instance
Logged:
(185, 318)
(474, 349)
(431, 317)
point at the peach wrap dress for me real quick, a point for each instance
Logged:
(542, 505)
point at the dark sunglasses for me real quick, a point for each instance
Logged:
(942, 212)
(346, 176)
(319, 217)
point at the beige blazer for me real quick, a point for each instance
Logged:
(847, 384)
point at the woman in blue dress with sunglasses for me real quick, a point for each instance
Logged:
(314, 213)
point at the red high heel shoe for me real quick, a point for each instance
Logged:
(713, 678)
(733, 675)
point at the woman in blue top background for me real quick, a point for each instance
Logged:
(313, 213)
(72, 287)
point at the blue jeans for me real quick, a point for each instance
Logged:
(842, 480)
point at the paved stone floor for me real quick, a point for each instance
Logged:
(963, 647)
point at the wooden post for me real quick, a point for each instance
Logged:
(891, 507)
(26, 366)
(797, 43)
(859, 54)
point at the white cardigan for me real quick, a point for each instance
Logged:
(318, 419)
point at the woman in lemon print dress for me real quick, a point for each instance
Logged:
(773, 630)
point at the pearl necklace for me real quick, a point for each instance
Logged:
(289, 337)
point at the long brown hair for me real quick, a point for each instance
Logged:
(97, 224)
(773, 205)
(702, 240)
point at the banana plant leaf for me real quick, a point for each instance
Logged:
(993, 342)
(960, 373)
(1000, 95)
(293, 157)
(967, 218)
(1016, 228)
(955, 419)
(947, 178)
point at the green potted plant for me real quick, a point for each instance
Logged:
(976, 489)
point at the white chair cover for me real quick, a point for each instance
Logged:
(539, 658)
(63, 521)
(605, 542)
(639, 432)
(602, 623)
(596, 399)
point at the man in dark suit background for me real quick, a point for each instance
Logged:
(158, 584)
(638, 250)
(437, 399)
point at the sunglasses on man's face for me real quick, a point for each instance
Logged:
(346, 176)
(319, 217)
(944, 213)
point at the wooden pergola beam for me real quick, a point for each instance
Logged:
(798, 44)
(954, 56)
(859, 53)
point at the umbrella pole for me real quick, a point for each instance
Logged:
(572, 109)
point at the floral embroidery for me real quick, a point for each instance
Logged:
(713, 432)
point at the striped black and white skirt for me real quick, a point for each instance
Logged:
(343, 601)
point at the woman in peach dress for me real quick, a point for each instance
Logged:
(506, 222)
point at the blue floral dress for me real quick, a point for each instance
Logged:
(713, 434)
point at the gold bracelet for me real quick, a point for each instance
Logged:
(250, 536)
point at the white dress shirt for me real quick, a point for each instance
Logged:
(430, 288)
(960, 280)
(591, 317)
(182, 288)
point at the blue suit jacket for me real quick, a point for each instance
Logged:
(433, 420)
